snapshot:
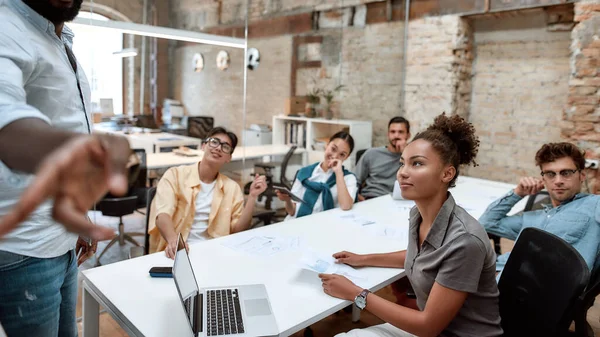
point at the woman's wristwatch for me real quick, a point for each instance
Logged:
(361, 300)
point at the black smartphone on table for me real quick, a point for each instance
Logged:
(161, 271)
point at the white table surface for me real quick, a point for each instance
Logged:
(148, 306)
(145, 139)
(169, 159)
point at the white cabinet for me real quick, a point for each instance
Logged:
(306, 132)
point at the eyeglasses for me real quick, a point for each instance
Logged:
(215, 143)
(563, 173)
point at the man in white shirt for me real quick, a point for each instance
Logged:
(44, 97)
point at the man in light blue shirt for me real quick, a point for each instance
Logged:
(572, 216)
(44, 101)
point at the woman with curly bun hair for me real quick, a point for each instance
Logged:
(449, 262)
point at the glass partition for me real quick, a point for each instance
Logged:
(277, 75)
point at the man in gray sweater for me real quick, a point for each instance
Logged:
(376, 169)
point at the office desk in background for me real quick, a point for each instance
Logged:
(243, 157)
(144, 306)
(153, 141)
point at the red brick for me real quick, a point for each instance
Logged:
(591, 52)
(584, 127)
(595, 137)
(587, 72)
(582, 91)
(585, 82)
(588, 7)
(581, 110)
(585, 100)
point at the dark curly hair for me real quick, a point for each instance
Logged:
(554, 151)
(454, 139)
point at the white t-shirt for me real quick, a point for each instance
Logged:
(203, 202)
(320, 176)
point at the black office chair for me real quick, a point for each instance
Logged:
(145, 121)
(359, 154)
(540, 285)
(267, 170)
(139, 251)
(118, 207)
(121, 206)
(139, 186)
(533, 202)
(584, 303)
(199, 126)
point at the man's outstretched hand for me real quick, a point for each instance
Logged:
(75, 175)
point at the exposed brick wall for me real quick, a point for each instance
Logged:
(219, 93)
(438, 69)
(269, 85)
(211, 92)
(520, 88)
(372, 74)
(508, 75)
(581, 123)
(200, 14)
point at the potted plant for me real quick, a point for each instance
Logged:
(329, 96)
(313, 98)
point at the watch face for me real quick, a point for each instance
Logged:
(360, 302)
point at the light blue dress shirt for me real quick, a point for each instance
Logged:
(576, 221)
(37, 81)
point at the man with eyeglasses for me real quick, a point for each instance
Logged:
(572, 216)
(198, 201)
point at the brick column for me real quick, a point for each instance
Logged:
(581, 120)
(438, 72)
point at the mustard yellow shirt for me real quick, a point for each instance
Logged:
(176, 196)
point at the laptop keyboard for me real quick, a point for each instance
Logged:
(224, 315)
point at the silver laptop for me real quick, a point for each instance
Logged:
(240, 311)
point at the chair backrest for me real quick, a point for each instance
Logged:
(359, 154)
(284, 164)
(533, 200)
(117, 207)
(586, 300)
(199, 126)
(149, 198)
(146, 121)
(540, 284)
(139, 186)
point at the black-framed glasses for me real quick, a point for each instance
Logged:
(215, 143)
(563, 173)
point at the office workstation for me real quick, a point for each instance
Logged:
(348, 169)
(290, 287)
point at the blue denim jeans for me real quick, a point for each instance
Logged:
(38, 297)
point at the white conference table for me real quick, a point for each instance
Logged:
(146, 306)
(250, 154)
(151, 140)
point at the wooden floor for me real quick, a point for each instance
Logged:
(330, 326)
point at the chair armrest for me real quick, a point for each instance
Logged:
(270, 165)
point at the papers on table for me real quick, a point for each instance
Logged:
(356, 219)
(262, 245)
(375, 228)
(325, 264)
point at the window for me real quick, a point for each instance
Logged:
(94, 48)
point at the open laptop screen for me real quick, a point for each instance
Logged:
(183, 273)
